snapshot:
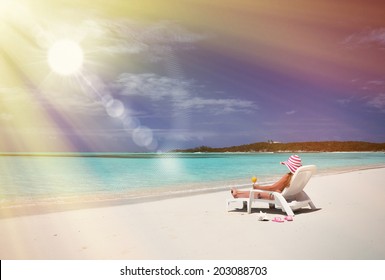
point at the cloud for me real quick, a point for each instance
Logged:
(217, 106)
(291, 112)
(378, 102)
(153, 86)
(128, 36)
(169, 32)
(183, 135)
(376, 83)
(182, 95)
(365, 38)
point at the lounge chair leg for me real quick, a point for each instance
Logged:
(312, 206)
(249, 208)
(244, 205)
(281, 201)
(290, 212)
(228, 204)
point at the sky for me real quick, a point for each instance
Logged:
(157, 75)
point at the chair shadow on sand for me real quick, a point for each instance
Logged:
(272, 210)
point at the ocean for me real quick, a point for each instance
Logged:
(58, 178)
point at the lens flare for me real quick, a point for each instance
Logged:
(143, 136)
(115, 108)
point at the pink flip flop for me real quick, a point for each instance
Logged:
(289, 218)
(277, 220)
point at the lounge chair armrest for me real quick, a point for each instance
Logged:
(258, 190)
(262, 184)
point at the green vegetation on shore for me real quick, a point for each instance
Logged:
(325, 146)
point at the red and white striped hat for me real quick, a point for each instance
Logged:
(293, 163)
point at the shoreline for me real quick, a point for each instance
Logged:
(70, 203)
(167, 154)
(346, 225)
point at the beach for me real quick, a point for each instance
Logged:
(349, 224)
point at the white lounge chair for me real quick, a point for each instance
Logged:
(291, 198)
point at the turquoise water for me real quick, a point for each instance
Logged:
(26, 178)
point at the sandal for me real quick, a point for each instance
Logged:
(278, 220)
(289, 218)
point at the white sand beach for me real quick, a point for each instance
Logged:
(348, 224)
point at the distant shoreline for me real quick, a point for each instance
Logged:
(163, 155)
(258, 147)
(295, 147)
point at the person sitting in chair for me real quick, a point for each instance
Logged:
(293, 163)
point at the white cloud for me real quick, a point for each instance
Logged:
(132, 37)
(378, 102)
(217, 106)
(374, 36)
(291, 112)
(183, 135)
(180, 94)
(153, 86)
(168, 32)
(376, 83)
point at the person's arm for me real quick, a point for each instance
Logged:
(278, 186)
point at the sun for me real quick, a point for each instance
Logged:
(65, 57)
